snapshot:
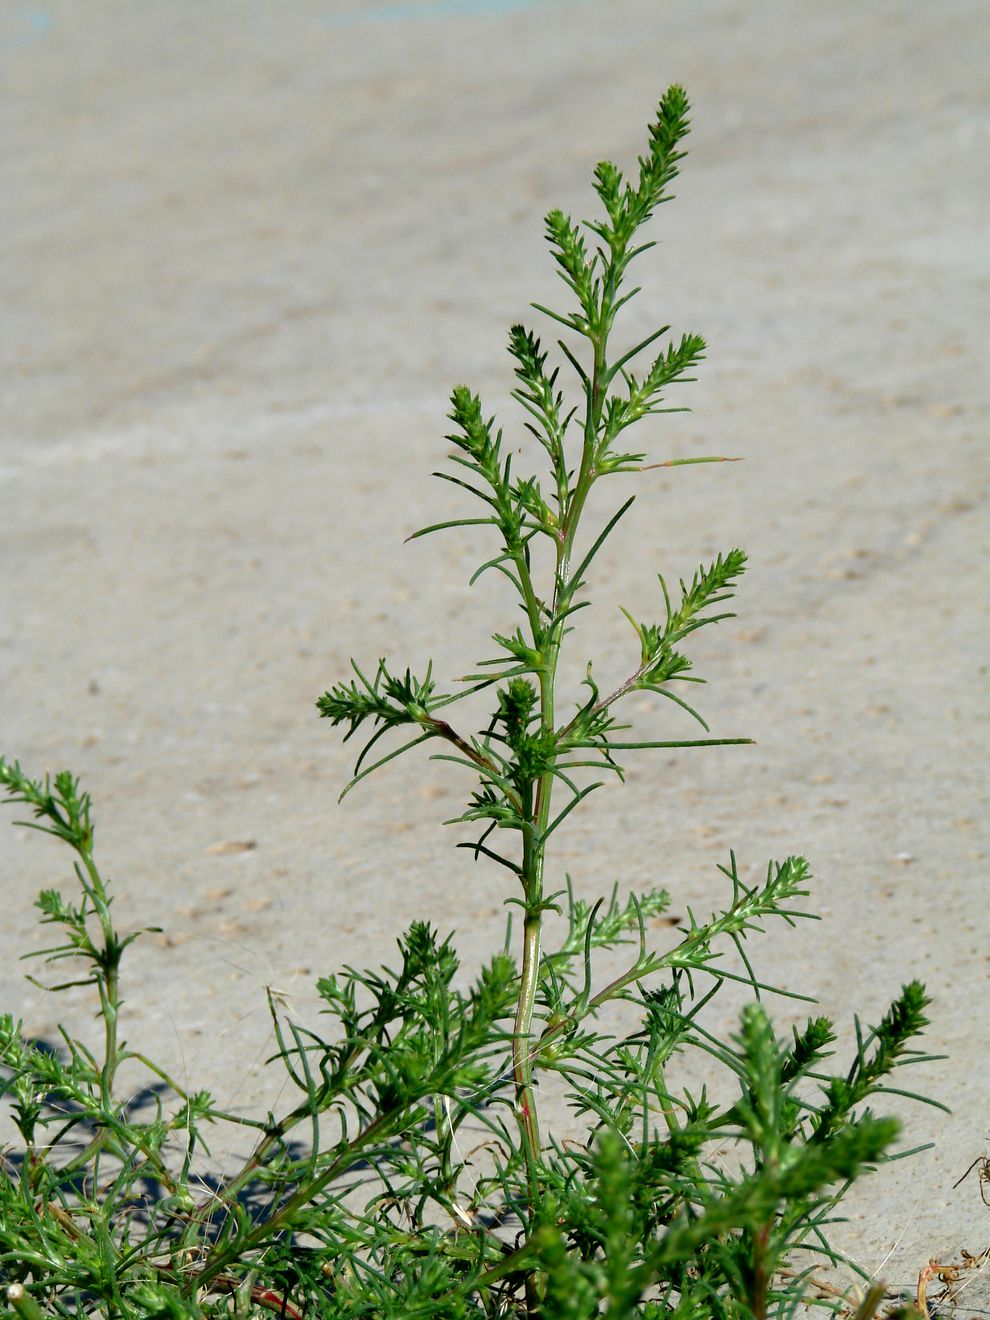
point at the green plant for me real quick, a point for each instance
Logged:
(361, 1199)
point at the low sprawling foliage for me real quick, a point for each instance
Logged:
(415, 1174)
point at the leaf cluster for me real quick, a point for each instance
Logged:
(396, 1183)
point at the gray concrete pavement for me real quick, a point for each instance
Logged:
(247, 249)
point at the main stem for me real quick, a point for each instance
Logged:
(109, 978)
(536, 806)
(537, 814)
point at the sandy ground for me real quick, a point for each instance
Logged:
(248, 248)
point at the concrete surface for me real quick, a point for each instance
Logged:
(248, 248)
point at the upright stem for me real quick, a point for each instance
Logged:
(537, 814)
(109, 976)
(586, 473)
(760, 1277)
(536, 808)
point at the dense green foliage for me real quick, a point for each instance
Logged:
(415, 1174)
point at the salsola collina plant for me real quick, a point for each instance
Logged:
(416, 1175)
